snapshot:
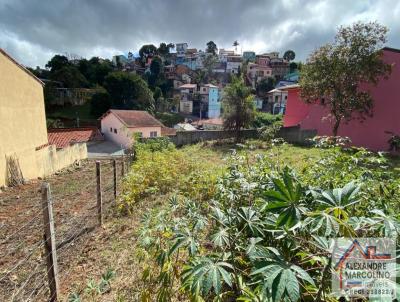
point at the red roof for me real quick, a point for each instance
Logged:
(134, 118)
(63, 137)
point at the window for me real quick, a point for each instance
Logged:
(110, 129)
(115, 131)
(153, 133)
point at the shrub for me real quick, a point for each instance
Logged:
(266, 119)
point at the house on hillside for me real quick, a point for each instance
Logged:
(373, 132)
(121, 126)
(209, 96)
(249, 56)
(255, 73)
(276, 100)
(233, 64)
(187, 93)
(25, 151)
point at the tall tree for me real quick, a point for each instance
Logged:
(235, 44)
(147, 51)
(57, 62)
(334, 73)
(129, 91)
(289, 55)
(238, 106)
(211, 48)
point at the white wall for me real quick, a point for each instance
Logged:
(122, 137)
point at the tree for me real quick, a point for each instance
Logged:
(211, 48)
(164, 48)
(292, 66)
(70, 76)
(147, 51)
(57, 62)
(334, 73)
(235, 44)
(209, 62)
(129, 91)
(289, 55)
(100, 103)
(238, 106)
(156, 66)
(265, 85)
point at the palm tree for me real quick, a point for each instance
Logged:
(236, 44)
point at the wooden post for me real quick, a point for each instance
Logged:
(123, 166)
(99, 194)
(115, 179)
(50, 242)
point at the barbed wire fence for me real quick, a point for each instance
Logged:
(35, 258)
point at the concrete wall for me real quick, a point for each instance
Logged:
(190, 137)
(50, 160)
(295, 135)
(22, 117)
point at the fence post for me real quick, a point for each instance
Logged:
(99, 194)
(50, 242)
(123, 166)
(115, 178)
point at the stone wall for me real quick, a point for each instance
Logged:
(191, 137)
(295, 135)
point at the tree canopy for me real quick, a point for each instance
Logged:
(289, 55)
(238, 106)
(211, 47)
(128, 91)
(334, 73)
(146, 51)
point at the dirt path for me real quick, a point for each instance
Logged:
(22, 271)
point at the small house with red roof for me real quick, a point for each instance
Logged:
(121, 126)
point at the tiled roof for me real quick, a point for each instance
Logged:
(63, 137)
(134, 118)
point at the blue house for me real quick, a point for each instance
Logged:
(210, 95)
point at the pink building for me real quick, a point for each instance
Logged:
(371, 133)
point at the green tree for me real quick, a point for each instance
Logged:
(289, 55)
(156, 66)
(333, 73)
(100, 103)
(238, 106)
(147, 51)
(70, 76)
(163, 49)
(209, 62)
(129, 91)
(211, 48)
(57, 62)
(265, 85)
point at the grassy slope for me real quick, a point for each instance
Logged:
(115, 247)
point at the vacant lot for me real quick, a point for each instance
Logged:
(22, 271)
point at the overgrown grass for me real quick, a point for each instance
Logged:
(194, 172)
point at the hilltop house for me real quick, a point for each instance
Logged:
(25, 151)
(373, 132)
(233, 64)
(249, 56)
(120, 126)
(187, 92)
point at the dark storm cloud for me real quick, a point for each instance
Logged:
(32, 30)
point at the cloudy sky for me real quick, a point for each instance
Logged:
(34, 30)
